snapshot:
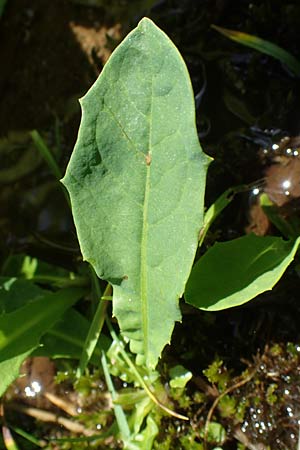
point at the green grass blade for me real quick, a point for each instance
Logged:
(29, 437)
(262, 46)
(48, 157)
(93, 334)
(119, 413)
(96, 437)
(272, 211)
(46, 153)
(149, 390)
(216, 208)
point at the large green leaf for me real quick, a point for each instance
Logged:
(17, 292)
(32, 311)
(232, 273)
(136, 180)
(21, 329)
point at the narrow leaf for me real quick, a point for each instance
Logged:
(48, 157)
(46, 153)
(67, 337)
(232, 273)
(93, 334)
(119, 413)
(272, 211)
(262, 46)
(136, 181)
(22, 329)
(238, 107)
(17, 292)
(215, 210)
(9, 370)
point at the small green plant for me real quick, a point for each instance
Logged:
(262, 46)
(136, 181)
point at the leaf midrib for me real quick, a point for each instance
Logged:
(144, 241)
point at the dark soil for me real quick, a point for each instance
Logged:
(43, 64)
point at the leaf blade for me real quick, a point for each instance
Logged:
(10, 368)
(67, 337)
(21, 329)
(244, 267)
(139, 167)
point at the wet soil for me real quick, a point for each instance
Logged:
(51, 53)
(43, 62)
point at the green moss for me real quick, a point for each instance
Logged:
(271, 397)
(181, 397)
(293, 349)
(199, 397)
(227, 406)
(189, 443)
(217, 374)
(242, 405)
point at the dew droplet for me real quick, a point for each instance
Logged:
(244, 426)
(286, 184)
(34, 388)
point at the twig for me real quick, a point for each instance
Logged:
(215, 403)
(46, 416)
(148, 388)
(61, 403)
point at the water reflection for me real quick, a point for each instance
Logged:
(33, 389)
(281, 183)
